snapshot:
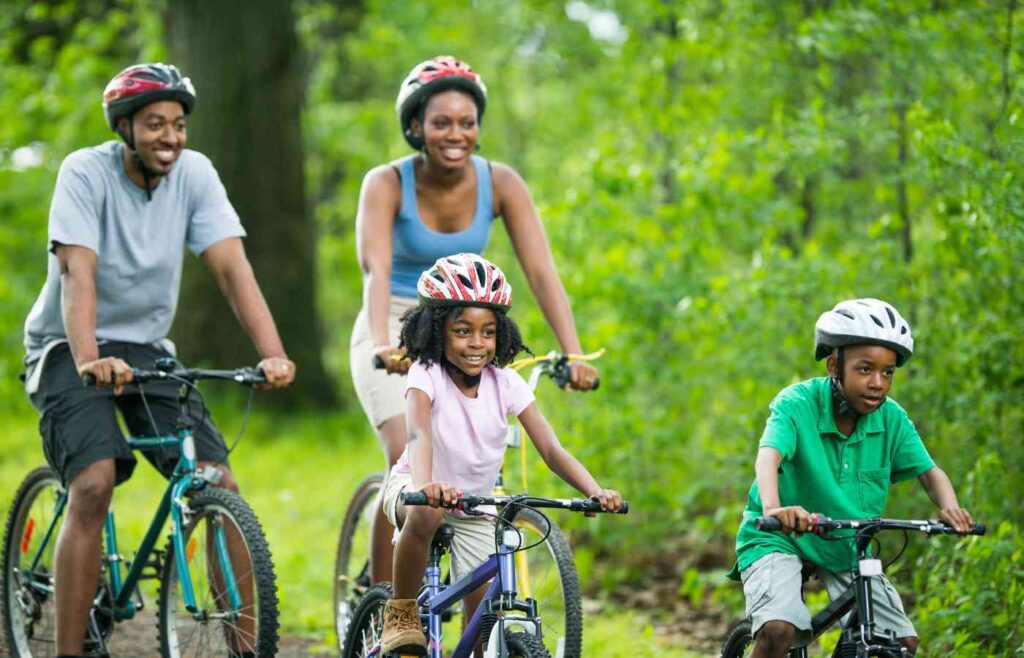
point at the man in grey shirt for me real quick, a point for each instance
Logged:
(121, 217)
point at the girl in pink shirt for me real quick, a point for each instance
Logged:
(458, 398)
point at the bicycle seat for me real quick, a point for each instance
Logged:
(443, 537)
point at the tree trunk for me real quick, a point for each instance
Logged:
(245, 61)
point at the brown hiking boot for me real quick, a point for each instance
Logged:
(403, 632)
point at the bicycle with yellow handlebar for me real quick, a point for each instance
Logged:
(548, 575)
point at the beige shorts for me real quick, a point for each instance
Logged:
(381, 395)
(474, 536)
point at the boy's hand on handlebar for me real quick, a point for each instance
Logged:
(394, 359)
(582, 376)
(279, 371)
(959, 518)
(793, 518)
(108, 371)
(610, 499)
(441, 494)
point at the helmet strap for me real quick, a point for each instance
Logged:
(843, 405)
(467, 379)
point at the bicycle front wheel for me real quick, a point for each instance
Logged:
(739, 641)
(27, 603)
(363, 636)
(523, 645)
(548, 574)
(223, 541)
(352, 557)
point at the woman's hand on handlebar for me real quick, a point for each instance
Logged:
(279, 371)
(441, 494)
(393, 359)
(793, 518)
(583, 376)
(108, 371)
(610, 499)
(959, 518)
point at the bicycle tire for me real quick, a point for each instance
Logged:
(367, 626)
(555, 585)
(739, 641)
(351, 557)
(181, 634)
(524, 645)
(26, 524)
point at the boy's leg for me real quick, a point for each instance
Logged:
(887, 606)
(779, 617)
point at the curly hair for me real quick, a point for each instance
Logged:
(422, 335)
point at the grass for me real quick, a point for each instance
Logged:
(297, 473)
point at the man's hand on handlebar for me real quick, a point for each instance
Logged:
(279, 371)
(793, 519)
(108, 371)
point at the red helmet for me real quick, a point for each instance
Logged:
(442, 73)
(142, 84)
(465, 280)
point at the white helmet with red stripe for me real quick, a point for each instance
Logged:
(465, 280)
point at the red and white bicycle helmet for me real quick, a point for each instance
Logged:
(142, 84)
(863, 322)
(441, 73)
(465, 280)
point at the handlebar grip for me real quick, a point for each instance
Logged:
(414, 498)
(978, 529)
(768, 524)
(378, 362)
(89, 379)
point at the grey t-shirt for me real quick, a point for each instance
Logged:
(139, 244)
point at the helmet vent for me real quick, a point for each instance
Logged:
(903, 329)
(465, 280)
(480, 274)
(877, 321)
(497, 284)
(846, 314)
(892, 318)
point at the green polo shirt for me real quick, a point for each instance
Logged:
(825, 471)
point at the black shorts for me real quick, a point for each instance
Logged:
(79, 424)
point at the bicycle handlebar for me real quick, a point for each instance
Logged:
(244, 376)
(823, 524)
(468, 502)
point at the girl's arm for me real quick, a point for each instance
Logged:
(526, 232)
(421, 452)
(379, 201)
(940, 490)
(563, 464)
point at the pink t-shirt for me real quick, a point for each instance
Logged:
(468, 434)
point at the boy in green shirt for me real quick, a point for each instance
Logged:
(833, 445)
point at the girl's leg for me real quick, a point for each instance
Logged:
(392, 438)
(403, 631)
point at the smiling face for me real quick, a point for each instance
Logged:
(470, 339)
(867, 375)
(449, 128)
(159, 133)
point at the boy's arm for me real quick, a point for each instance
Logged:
(421, 451)
(766, 469)
(940, 490)
(563, 464)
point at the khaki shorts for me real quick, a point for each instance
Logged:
(772, 586)
(381, 395)
(474, 536)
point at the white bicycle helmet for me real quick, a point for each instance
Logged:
(465, 280)
(863, 322)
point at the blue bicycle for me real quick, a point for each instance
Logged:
(506, 625)
(217, 586)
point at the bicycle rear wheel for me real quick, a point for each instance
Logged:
(27, 603)
(550, 578)
(218, 628)
(739, 641)
(352, 557)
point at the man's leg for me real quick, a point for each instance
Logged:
(392, 438)
(79, 551)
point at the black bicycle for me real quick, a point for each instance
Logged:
(859, 638)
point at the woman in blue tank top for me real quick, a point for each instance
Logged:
(438, 202)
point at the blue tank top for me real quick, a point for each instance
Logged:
(415, 247)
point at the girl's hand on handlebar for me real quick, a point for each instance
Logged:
(279, 371)
(959, 518)
(441, 494)
(393, 358)
(582, 375)
(108, 371)
(793, 518)
(610, 499)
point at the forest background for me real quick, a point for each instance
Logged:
(711, 174)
